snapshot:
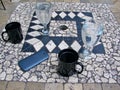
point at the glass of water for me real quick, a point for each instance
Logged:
(91, 35)
(44, 12)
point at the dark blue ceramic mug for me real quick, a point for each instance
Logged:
(68, 60)
(13, 32)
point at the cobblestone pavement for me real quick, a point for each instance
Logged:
(4, 85)
(14, 85)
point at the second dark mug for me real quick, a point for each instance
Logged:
(68, 60)
(14, 33)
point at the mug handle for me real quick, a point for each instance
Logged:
(81, 65)
(6, 40)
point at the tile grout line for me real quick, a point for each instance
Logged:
(25, 85)
(101, 86)
(6, 85)
(82, 86)
(63, 86)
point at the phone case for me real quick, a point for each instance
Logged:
(33, 60)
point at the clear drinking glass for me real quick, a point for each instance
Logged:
(43, 12)
(91, 35)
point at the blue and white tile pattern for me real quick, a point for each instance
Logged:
(65, 38)
(102, 68)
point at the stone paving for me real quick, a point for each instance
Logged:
(4, 85)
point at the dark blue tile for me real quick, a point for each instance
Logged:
(34, 13)
(28, 37)
(44, 39)
(67, 12)
(32, 24)
(28, 48)
(34, 18)
(76, 13)
(44, 49)
(79, 27)
(56, 40)
(56, 50)
(30, 30)
(88, 14)
(99, 49)
(69, 40)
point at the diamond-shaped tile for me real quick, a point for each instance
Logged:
(36, 27)
(32, 41)
(38, 45)
(50, 46)
(63, 45)
(62, 14)
(80, 15)
(87, 18)
(54, 14)
(36, 22)
(71, 15)
(34, 33)
(35, 16)
(76, 46)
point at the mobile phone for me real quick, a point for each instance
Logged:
(33, 60)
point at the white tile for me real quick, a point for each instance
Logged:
(35, 16)
(87, 18)
(38, 45)
(76, 46)
(50, 46)
(36, 27)
(71, 14)
(62, 14)
(34, 33)
(80, 14)
(36, 21)
(54, 14)
(63, 45)
(32, 41)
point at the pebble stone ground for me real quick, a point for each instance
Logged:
(5, 85)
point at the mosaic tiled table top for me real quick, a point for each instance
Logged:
(58, 39)
(104, 67)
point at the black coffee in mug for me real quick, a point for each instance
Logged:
(14, 33)
(68, 60)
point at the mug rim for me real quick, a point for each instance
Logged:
(71, 51)
(16, 24)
